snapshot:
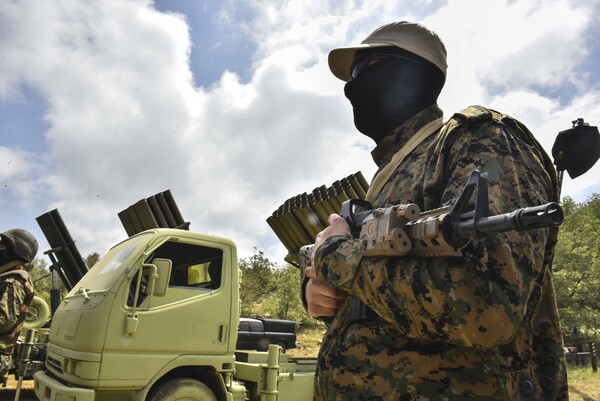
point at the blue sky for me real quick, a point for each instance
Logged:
(230, 104)
(215, 46)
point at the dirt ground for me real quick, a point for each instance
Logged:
(8, 393)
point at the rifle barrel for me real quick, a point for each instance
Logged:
(547, 215)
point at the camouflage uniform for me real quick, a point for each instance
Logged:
(482, 326)
(17, 249)
(16, 294)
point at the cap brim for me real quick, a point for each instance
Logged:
(341, 59)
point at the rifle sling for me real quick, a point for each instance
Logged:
(4, 269)
(359, 311)
(384, 175)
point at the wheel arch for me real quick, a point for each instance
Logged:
(205, 374)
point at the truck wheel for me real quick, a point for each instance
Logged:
(37, 315)
(183, 390)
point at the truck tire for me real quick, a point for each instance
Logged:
(37, 315)
(183, 390)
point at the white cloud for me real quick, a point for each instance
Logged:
(18, 182)
(13, 164)
(511, 45)
(515, 56)
(126, 120)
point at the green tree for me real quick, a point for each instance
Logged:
(270, 290)
(257, 282)
(42, 277)
(91, 259)
(576, 265)
(42, 280)
(285, 302)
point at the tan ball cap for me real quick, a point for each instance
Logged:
(409, 36)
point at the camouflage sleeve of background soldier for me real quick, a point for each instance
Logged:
(12, 294)
(457, 300)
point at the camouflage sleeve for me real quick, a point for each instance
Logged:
(478, 299)
(12, 294)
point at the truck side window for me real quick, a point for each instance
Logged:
(256, 327)
(193, 266)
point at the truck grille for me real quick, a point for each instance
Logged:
(54, 364)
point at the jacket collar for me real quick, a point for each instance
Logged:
(396, 139)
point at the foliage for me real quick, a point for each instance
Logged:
(285, 302)
(576, 266)
(269, 290)
(257, 282)
(42, 280)
(42, 277)
(91, 259)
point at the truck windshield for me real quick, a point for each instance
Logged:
(110, 267)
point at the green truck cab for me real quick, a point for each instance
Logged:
(156, 319)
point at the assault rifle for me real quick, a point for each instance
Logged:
(403, 230)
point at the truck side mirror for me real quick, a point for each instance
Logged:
(163, 270)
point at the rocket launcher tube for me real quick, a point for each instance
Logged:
(356, 183)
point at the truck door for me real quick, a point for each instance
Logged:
(192, 317)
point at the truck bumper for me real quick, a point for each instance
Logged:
(49, 389)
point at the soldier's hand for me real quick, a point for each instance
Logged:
(322, 299)
(337, 227)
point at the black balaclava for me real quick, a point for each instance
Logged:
(392, 90)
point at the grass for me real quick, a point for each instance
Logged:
(309, 341)
(584, 384)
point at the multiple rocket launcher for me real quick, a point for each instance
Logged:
(300, 218)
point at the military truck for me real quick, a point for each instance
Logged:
(157, 319)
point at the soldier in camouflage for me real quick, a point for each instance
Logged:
(481, 326)
(17, 250)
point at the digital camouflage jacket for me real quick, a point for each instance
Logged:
(482, 326)
(16, 294)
